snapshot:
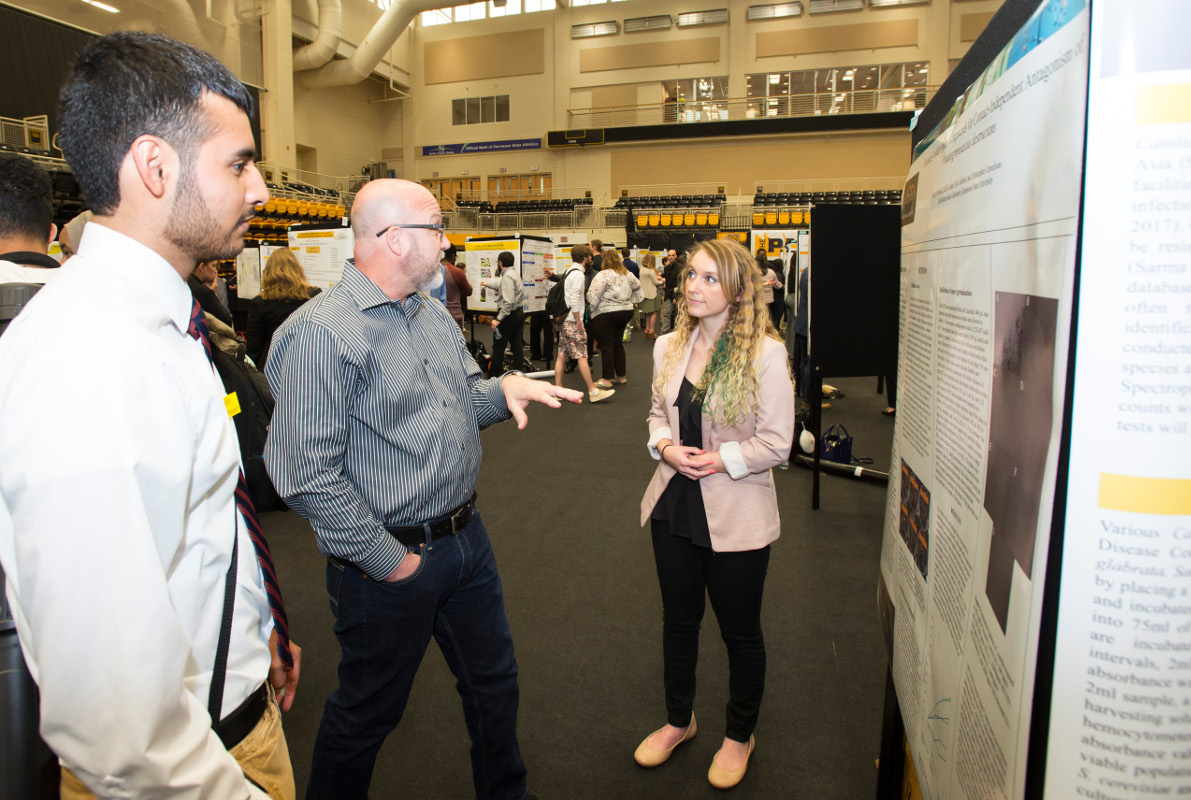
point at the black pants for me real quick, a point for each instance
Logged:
(608, 328)
(734, 582)
(511, 332)
(541, 337)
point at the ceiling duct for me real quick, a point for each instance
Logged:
(392, 23)
(828, 6)
(661, 22)
(775, 11)
(326, 41)
(692, 19)
(590, 30)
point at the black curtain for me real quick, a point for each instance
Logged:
(38, 54)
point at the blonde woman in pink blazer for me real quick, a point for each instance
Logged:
(722, 417)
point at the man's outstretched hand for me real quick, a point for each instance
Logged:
(519, 391)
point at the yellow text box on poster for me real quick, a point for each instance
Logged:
(1164, 104)
(1145, 495)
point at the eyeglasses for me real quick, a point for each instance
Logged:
(439, 227)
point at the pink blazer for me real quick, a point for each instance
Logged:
(741, 504)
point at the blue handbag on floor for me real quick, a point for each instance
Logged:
(837, 447)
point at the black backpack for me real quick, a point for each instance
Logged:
(556, 300)
(252, 425)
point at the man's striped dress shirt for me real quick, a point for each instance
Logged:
(378, 417)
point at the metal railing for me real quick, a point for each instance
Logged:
(30, 135)
(863, 101)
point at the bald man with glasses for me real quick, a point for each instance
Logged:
(376, 441)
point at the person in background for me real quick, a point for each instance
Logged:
(629, 263)
(572, 333)
(635, 271)
(376, 441)
(72, 234)
(722, 418)
(509, 325)
(26, 221)
(777, 309)
(200, 286)
(125, 531)
(208, 273)
(284, 288)
(651, 302)
(671, 272)
(458, 287)
(610, 299)
(770, 280)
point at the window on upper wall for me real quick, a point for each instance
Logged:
(837, 90)
(695, 99)
(507, 10)
(484, 10)
(476, 110)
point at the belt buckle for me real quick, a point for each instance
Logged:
(455, 517)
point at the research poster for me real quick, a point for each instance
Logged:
(990, 215)
(1120, 725)
(322, 253)
(250, 265)
(532, 256)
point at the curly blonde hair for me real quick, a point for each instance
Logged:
(284, 279)
(728, 385)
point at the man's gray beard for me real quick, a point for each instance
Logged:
(433, 282)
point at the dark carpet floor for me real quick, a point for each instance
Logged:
(561, 503)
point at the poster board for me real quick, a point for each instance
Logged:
(1120, 699)
(532, 257)
(322, 251)
(250, 265)
(989, 237)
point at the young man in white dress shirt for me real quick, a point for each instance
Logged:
(118, 459)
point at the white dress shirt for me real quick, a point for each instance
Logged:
(118, 464)
(18, 273)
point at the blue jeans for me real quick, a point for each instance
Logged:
(383, 630)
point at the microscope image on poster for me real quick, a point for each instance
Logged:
(1019, 436)
(914, 517)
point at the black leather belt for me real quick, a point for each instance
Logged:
(446, 525)
(235, 726)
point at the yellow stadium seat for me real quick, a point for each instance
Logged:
(770, 217)
(654, 220)
(688, 220)
(701, 219)
(713, 218)
(758, 219)
(665, 219)
(796, 218)
(783, 218)
(642, 220)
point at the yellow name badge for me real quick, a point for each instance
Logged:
(233, 404)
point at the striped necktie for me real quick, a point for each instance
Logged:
(198, 329)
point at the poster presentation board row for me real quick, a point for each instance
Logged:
(532, 257)
(990, 224)
(321, 249)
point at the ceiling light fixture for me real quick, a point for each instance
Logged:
(775, 11)
(691, 19)
(102, 6)
(828, 6)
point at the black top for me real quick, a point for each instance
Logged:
(264, 318)
(209, 301)
(30, 259)
(681, 505)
